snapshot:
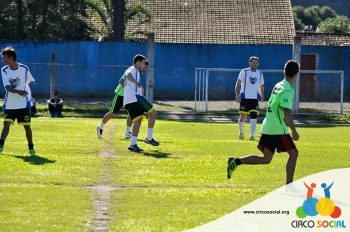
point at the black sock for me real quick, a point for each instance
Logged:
(31, 146)
(2, 142)
(238, 162)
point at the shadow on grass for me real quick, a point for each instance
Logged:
(157, 154)
(35, 160)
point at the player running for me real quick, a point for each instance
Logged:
(275, 135)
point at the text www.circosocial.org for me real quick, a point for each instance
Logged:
(272, 212)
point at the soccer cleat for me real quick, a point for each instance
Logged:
(32, 152)
(134, 148)
(231, 166)
(1, 149)
(241, 137)
(99, 132)
(152, 142)
(251, 138)
(127, 135)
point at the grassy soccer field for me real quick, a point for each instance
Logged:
(178, 185)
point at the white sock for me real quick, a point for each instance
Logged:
(128, 128)
(133, 140)
(252, 127)
(150, 134)
(101, 125)
(241, 127)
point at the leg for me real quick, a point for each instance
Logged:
(107, 117)
(253, 119)
(59, 109)
(51, 110)
(254, 159)
(241, 122)
(291, 163)
(128, 134)
(29, 134)
(5, 131)
(152, 119)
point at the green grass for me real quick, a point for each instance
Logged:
(178, 185)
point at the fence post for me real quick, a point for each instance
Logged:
(296, 57)
(52, 74)
(150, 73)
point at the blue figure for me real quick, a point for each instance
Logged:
(327, 193)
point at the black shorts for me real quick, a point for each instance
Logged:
(249, 105)
(117, 104)
(282, 143)
(22, 116)
(139, 110)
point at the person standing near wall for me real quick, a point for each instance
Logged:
(249, 83)
(16, 103)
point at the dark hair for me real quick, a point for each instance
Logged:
(291, 68)
(139, 57)
(55, 93)
(253, 58)
(10, 52)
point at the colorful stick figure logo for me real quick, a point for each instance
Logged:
(323, 206)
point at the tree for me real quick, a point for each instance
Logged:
(337, 25)
(316, 16)
(115, 16)
(44, 20)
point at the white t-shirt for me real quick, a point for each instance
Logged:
(250, 82)
(131, 89)
(18, 79)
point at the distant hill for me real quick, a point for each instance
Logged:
(342, 7)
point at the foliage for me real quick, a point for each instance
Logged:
(315, 16)
(340, 24)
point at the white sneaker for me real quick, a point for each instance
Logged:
(241, 136)
(127, 135)
(99, 132)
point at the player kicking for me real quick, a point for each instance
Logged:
(136, 105)
(249, 82)
(15, 77)
(117, 104)
(275, 135)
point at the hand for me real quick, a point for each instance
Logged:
(238, 99)
(262, 98)
(295, 135)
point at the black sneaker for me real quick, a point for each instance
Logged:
(99, 132)
(152, 142)
(134, 148)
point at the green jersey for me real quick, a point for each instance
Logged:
(120, 89)
(281, 98)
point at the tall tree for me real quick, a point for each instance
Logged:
(115, 16)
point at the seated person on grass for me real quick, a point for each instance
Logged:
(55, 105)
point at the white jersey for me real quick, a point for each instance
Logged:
(250, 82)
(18, 79)
(131, 91)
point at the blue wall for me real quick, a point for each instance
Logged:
(92, 69)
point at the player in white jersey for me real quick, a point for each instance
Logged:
(136, 105)
(249, 83)
(15, 77)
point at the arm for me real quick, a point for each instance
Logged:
(13, 90)
(289, 121)
(261, 92)
(132, 79)
(122, 82)
(238, 90)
